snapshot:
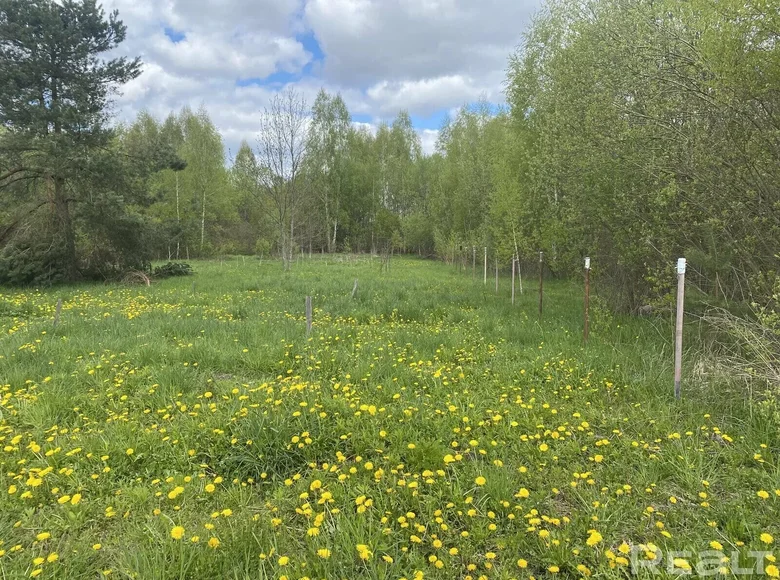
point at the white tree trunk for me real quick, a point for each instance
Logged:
(178, 218)
(203, 224)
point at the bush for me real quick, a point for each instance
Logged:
(33, 257)
(36, 264)
(263, 247)
(172, 269)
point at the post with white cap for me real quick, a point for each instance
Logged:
(679, 326)
(587, 299)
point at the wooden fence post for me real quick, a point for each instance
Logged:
(587, 299)
(541, 283)
(57, 312)
(678, 332)
(354, 289)
(308, 316)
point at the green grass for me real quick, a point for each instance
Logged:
(375, 432)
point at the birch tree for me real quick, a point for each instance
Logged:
(328, 154)
(281, 149)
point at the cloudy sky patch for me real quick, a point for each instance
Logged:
(383, 56)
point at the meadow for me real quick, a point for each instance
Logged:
(426, 429)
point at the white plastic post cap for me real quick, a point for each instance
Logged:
(681, 266)
(587, 263)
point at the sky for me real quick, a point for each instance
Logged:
(428, 57)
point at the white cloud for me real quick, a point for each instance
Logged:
(245, 16)
(370, 127)
(425, 96)
(428, 138)
(240, 57)
(395, 40)
(425, 56)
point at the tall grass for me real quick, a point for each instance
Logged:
(481, 434)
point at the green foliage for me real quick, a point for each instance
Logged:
(417, 234)
(649, 133)
(33, 257)
(173, 269)
(602, 319)
(768, 312)
(70, 72)
(327, 161)
(635, 133)
(387, 229)
(54, 91)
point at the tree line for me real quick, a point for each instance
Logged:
(634, 132)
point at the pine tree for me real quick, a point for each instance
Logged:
(54, 88)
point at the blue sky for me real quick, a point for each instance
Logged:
(428, 57)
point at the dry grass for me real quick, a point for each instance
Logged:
(136, 277)
(743, 349)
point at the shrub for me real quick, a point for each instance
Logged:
(172, 269)
(33, 257)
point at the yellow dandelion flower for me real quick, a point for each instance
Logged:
(594, 538)
(681, 563)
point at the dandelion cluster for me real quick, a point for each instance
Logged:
(400, 440)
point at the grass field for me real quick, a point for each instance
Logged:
(426, 429)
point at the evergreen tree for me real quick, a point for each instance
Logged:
(55, 84)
